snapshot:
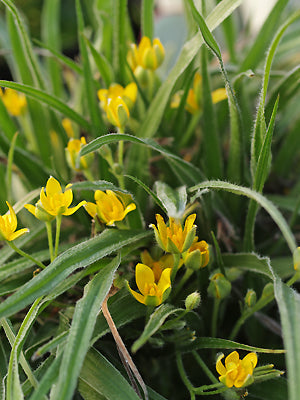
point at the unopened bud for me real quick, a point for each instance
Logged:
(192, 301)
(219, 286)
(296, 258)
(250, 298)
(268, 290)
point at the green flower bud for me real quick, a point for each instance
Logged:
(192, 301)
(219, 286)
(250, 298)
(268, 290)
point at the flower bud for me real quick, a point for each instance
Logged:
(197, 256)
(268, 290)
(192, 301)
(250, 298)
(219, 286)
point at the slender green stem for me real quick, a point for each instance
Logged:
(58, 225)
(120, 161)
(23, 254)
(183, 376)
(205, 368)
(50, 239)
(214, 320)
(175, 266)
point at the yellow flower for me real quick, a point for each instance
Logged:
(54, 201)
(194, 98)
(197, 255)
(236, 372)
(39, 212)
(173, 238)
(13, 101)
(72, 151)
(117, 102)
(146, 55)
(157, 266)
(109, 207)
(8, 226)
(152, 292)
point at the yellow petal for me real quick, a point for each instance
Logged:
(143, 275)
(129, 208)
(219, 365)
(165, 280)
(13, 217)
(161, 227)
(189, 222)
(52, 186)
(232, 358)
(250, 359)
(71, 210)
(17, 234)
(130, 91)
(30, 208)
(219, 95)
(137, 296)
(91, 208)
(68, 197)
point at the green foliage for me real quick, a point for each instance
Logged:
(208, 146)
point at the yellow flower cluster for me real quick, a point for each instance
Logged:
(146, 55)
(153, 277)
(8, 226)
(117, 102)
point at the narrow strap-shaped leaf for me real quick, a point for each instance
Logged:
(288, 301)
(216, 343)
(147, 18)
(50, 24)
(81, 330)
(78, 256)
(236, 144)
(260, 124)
(104, 378)
(49, 100)
(157, 108)
(260, 199)
(119, 39)
(103, 65)
(261, 173)
(211, 141)
(90, 92)
(156, 320)
(256, 53)
(68, 62)
(14, 389)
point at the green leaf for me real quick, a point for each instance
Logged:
(50, 25)
(235, 151)
(156, 320)
(90, 93)
(216, 343)
(81, 330)
(78, 256)
(103, 65)
(258, 49)
(188, 171)
(261, 200)
(49, 100)
(147, 18)
(248, 261)
(174, 201)
(211, 142)
(149, 191)
(156, 110)
(260, 124)
(104, 378)
(288, 302)
(119, 39)
(261, 174)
